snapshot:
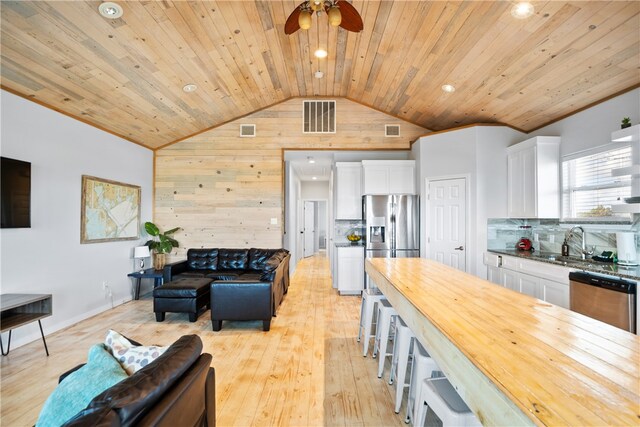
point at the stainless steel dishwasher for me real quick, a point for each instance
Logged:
(608, 299)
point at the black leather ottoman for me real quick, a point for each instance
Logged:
(183, 295)
(241, 300)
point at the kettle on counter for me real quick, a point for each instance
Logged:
(524, 244)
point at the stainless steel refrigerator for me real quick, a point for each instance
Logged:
(392, 226)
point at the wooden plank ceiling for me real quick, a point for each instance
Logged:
(126, 75)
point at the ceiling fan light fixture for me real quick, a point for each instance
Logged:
(304, 19)
(320, 53)
(522, 10)
(335, 17)
(316, 5)
(110, 10)
(448, 88)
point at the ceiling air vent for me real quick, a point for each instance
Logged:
(319, 116)
(247, 131)
(392, 130)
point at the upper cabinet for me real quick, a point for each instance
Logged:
(389, 177)
(348, 190)
(533, 173)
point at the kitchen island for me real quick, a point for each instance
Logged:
(514, 359)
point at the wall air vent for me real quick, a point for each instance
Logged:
(247, 131)
(319, 116)
(392, 130)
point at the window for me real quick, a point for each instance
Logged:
(319, 117)
(588, 186)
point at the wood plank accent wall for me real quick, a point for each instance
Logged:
(223, 190)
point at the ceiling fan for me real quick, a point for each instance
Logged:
(340, 13)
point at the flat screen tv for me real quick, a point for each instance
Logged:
(15, 183)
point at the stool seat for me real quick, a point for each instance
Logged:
(182, 295)
(439, 395)
(422, 367)
(186, 287)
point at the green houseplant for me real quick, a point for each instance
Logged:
(626, 122)
(161, 243)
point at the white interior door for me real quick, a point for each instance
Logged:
(447, 222)
(309, 228)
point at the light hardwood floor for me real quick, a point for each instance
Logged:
(307, 371)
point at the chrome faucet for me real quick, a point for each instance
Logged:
(584, 251)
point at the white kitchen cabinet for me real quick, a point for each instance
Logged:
(493, 274)
(350, 277)
(529, 285)
(538, 279)
(348, 189)
(533, 178)
(554, 292)
(509, 279)
(388, 177)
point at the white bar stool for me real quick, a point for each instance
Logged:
(439, 395)
(422, 367)
(403, 338)
(386, 314)
(370, 299)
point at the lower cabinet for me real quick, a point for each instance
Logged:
(549, 282)
(350, 274)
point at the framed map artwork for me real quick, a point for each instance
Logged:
(110, 211)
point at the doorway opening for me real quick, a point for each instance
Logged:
(315, 227)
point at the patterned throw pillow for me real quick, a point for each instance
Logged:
(131, 357)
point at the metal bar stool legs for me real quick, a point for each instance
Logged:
(403, 339)
(370, 300)
(386, 314)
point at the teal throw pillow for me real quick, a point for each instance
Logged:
(75, 392)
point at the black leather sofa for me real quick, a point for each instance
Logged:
(247, 284)
(176, 389)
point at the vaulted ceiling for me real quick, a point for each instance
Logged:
(126, 75)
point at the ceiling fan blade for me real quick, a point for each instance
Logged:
(351, 20)
(291, 26)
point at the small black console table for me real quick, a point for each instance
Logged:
(20, 309)
(149, 273)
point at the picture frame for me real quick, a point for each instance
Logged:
(110, 211)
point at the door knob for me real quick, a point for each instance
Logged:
(459, 248)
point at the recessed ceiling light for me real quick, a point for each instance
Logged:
(189, 88)
(320, 53)
(314, 178)
(318, 74)
(110, 10)
(448, 88)
(522, 10)
(311, 159)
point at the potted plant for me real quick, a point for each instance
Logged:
(161, 244)
(626, 122)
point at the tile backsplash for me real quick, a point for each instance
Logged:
(548, 235)
(345, 227)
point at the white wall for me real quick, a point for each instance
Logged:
(48, 257)
(315, 190)
(292, 198)
(479, 154)
(592, 127)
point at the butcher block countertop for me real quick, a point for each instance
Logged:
(514, 359)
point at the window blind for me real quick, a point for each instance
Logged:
(588, 186)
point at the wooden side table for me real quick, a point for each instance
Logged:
(149, 273)
(19, 309)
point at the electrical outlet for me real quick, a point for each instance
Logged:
(536, 237)
(552, 238)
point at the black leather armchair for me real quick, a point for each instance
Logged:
(177, 389)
